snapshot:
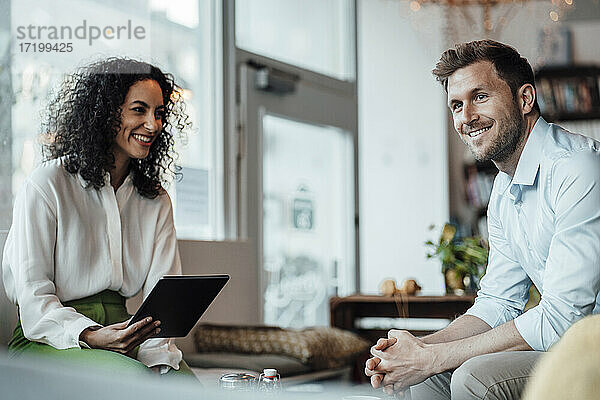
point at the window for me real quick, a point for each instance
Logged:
(182, 37)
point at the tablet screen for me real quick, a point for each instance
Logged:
(178, 302)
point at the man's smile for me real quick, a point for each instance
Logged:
(477, 132)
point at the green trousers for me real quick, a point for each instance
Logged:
(105, 308)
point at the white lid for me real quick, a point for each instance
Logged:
(270, 372)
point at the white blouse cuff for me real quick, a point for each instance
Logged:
(75, 328)
(166, 354)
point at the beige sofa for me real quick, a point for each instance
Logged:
(571, 368)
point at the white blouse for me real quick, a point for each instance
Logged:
(67, 242)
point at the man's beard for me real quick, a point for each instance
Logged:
(510, 133)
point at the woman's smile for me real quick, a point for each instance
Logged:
(143, 140)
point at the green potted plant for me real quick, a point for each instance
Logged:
(463, 259)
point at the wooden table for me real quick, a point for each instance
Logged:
(345, 310)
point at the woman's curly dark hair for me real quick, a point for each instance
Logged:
(85, 117)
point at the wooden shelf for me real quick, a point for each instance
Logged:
(345, 310)
(565, 116)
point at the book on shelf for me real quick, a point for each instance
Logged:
(479, 187)
(566, 96)
(482, 227)
(577, 94)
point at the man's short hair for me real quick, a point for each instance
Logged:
(510, 66)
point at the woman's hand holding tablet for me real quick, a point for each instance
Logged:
(120, 337)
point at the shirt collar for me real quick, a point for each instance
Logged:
(529, 162)
(128, 180)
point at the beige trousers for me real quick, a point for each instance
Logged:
(487, 377)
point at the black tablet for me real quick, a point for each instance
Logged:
(178, 302)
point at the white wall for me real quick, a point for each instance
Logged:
(403, 153)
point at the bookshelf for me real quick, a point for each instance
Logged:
(569, 93)
(479, 178)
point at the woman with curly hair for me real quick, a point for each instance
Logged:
(93, 225)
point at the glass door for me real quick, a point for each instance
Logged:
(291, 151)
(308, 211)
(300, 183)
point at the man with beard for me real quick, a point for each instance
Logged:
(544, 228)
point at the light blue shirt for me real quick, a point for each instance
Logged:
(544, 227)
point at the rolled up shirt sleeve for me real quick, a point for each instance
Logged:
(165, 261)
(571, 279)
(505, 286)
(29, 267)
